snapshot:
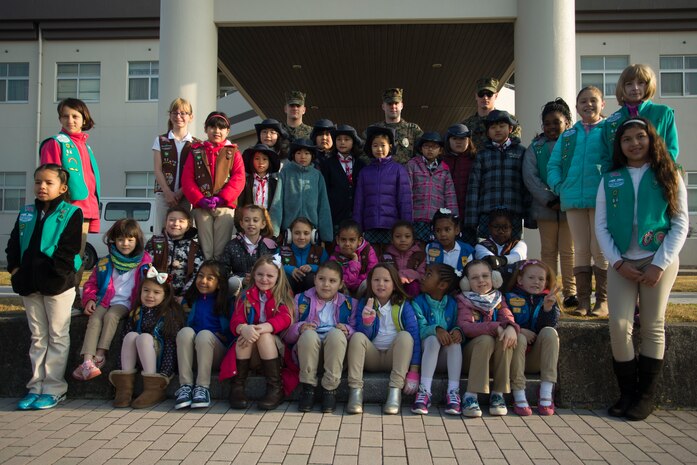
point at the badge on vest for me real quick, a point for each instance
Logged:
(434, 253)
(614, 117)
(615, 182)
(464, 260)
(477, 317)
(517, 302)
(302, 308)
(26, 217)
(516, 309)
(405, 142)
(652, 236)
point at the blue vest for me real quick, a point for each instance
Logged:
(523, 312)
(435, 254)
(304, 309)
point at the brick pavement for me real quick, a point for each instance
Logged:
(91, 432)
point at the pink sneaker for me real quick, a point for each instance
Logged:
(86, 371)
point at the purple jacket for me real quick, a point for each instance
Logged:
(383, 195)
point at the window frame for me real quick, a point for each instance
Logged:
(683, 71)
(78, 78)
(149, 77)
(22, 190)
(7, 78)
(149, 187)
(604, 71)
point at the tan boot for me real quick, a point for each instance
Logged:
(123, 381)
(600, 307)
(583, 276)
(154, 390)
(274, 385)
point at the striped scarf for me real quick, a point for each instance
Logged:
(122, 263)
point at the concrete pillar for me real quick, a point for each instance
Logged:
(545, 59)
(188, 58)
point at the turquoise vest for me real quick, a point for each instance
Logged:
(653, 221)
(71, 161)
(53, 228)
(660, 116)
(543, 155)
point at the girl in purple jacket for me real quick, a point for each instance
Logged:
(383, 192)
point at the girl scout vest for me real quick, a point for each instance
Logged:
(160, 255)
(313, 257)
(543, 155)
(491, 246)
(436, 255)
(304, 309)
(172, 163)
(202, 170)
(71, 161)
(54, 225)
(568, 146)
(523, 312)
(653, 221)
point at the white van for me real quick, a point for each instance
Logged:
(112, 209)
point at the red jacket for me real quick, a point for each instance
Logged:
(229, 192)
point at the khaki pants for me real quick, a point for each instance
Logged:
(555, 238)
(582, 227)
(362, 354)
(101, 328)
(49, 322)
(215, 229)
(331, 351)
(209, 353)
(481, 352)
(542, 358)
(622, 298)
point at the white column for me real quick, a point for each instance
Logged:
(545, 59)
(188, 58)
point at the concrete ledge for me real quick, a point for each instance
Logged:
(585, 368)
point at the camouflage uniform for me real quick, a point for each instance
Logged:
(475, 123)
(295, 97)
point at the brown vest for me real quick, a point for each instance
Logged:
(171, 161)
(288, 257)
(202, 171)
(160, 256)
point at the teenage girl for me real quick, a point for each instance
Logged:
(302, 257)
(149, 338)
(555, 235)
(407, 256)
(270, 132)
(109, 293)
(261, 165)
(573, 173)
(386, 338)
(170, 151)
(355, 255)
(644, 258)
(447, 248)
(207, 334)
(42, 258)
(212, 180)
(533, 302)
(69, 149)
(261, 314)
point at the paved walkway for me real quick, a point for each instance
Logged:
(91, 432)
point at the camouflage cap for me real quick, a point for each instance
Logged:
(488, 83)
(295, 97)
(392, 95)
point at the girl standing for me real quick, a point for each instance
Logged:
(261, 313)
(573, 173)
(407, 256)
(110, 292)
(302, 257)
(458, 156)
(386, 338)
(170, 151)
(42, 258)
(212, 180)
(261, 165)
(270, 132)
(644, 259)
(149, 339)
(207, 334)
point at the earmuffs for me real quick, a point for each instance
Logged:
(288, 237)
(496, 280)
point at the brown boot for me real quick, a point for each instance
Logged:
(238, 398)
(154, 390)
(274, 386)
(123, 381)
(600, 307)
(583, 276)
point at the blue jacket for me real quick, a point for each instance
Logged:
(224, 322)
(432, 314)
(528, 310)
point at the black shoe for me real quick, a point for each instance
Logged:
(328, 401)
(307, 398)
(571, 301)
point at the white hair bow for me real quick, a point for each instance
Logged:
(159, 277)
(276, 259)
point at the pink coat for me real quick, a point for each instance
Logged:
(473, 322)
(90, 289)
(354, 271)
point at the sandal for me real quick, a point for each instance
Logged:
(545, 410)
(521, 411)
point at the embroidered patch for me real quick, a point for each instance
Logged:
(570, 132)
(659, 237)
(517, 301)
(615, 182)
(405, 142)
(648, 237)
(516, 309)
(614, 117)
(62, 138)
(434, 253)
(25, 217)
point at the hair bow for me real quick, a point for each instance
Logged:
(445, 211)
(159, 277)
(276, 259)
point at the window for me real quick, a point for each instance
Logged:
(143, 77)
(14, 82)
(140, 184)
(13, 189)
(691, 185)
(78, 80)
(602, 72)
(678, 75)
(139, 211)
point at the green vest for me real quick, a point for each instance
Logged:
(657, 114)
(54, 225)
(568, 146)
(543, 154)
(653, 221)
(71, 161)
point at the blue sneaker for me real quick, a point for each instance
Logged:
(25, 404)
(497, 405)
(183, 396)
(201, 397)
(470, 407)
(46, 401)
(422, 401)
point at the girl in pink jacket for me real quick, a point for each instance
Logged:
(355, 255)
(407, 256)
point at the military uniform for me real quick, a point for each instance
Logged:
(475, 123)
(303, 131)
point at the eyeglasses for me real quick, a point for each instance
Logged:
(485, 93)
(179, 113)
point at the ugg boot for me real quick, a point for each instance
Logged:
(154, 390)
(393, 402)
(583, 276)
(355, 401)
(123, 381)
(274, 386)
(649, 372)
(600, 307)
(626, 375)
(238, 398)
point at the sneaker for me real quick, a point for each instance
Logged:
(328, 401)
(422, 401)
(452, 403)
(46, 401)
(497, 406)
(86, 371)
(201, 397)
(183, 396)
(571, 301)
(470, 407)
(27, 401)
(306, 400)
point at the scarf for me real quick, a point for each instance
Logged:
(213, 149)
(484, 303)
(122, 263)
(633, 110)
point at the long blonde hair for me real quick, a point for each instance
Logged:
(281, 291)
